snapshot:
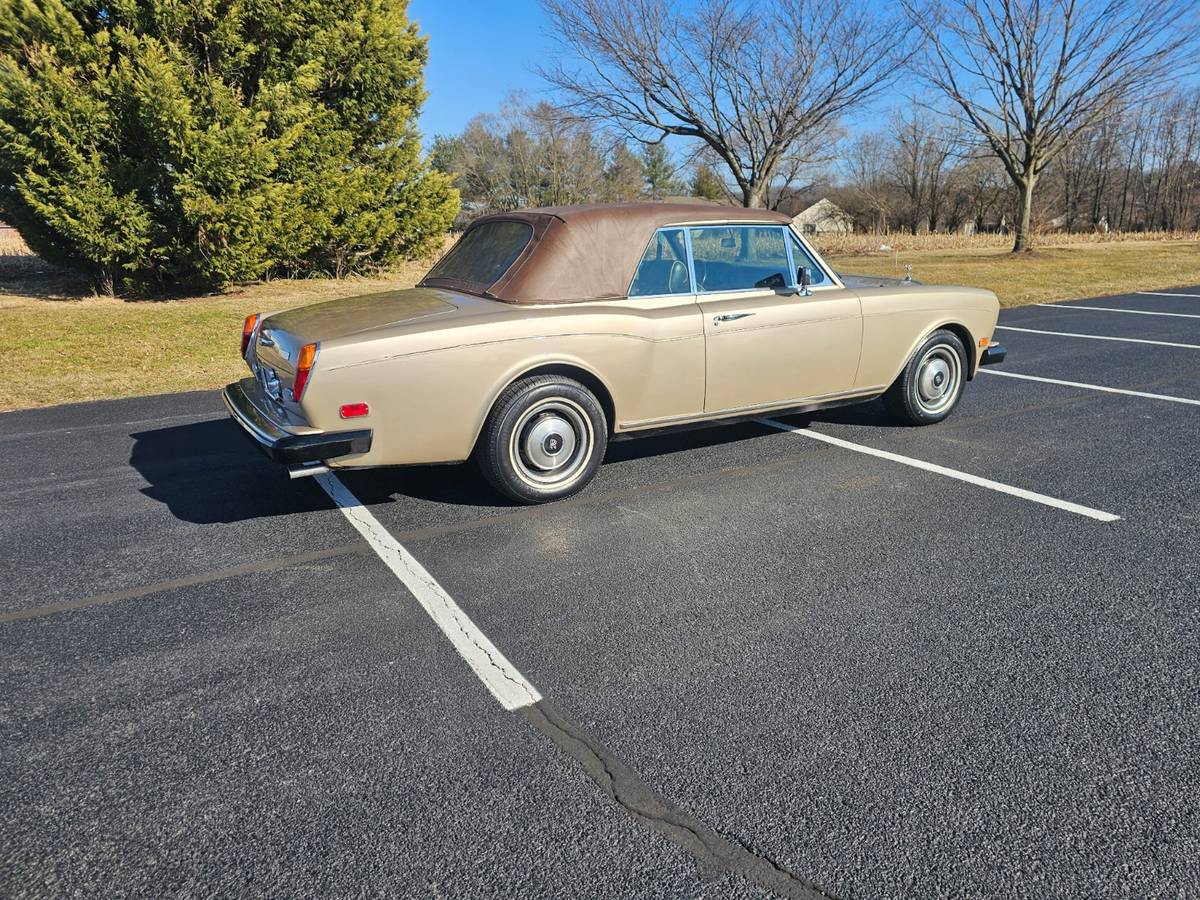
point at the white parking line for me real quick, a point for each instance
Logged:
(1092, 387)
(1135, 312)
(500, 676)
(1099, 337)
(1168, 294)
(1033, 496)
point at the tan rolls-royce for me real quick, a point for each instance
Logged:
(543, 334)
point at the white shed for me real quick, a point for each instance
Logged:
(824, 217)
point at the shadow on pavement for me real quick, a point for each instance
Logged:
(207, 472)
(874, 414)
(210, 472)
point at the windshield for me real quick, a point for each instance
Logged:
(481, 256)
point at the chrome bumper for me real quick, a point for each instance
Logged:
(993, 355)
(284, 446)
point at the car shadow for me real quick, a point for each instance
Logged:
(209, 472)
(873, 414)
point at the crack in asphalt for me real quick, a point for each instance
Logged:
(619, 781)
(448, 612)
(160, 587)
(625, 786)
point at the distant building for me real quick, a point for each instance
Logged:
(824, 217)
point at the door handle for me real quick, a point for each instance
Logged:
(730, 317)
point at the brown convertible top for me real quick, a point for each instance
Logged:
(591, 252)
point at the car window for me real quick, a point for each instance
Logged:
(663, 268)
(483, 254)
(801, 257)
(740, 257)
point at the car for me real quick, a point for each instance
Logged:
(543, 334)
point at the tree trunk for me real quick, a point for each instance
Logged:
(1024, 215)
(754, 195)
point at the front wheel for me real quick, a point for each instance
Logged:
(544, 439)
(929, 387)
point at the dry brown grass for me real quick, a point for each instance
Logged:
(1048, 274)
(11, 243)
(854, 244)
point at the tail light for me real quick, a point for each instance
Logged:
(248, 331)
(304, 363)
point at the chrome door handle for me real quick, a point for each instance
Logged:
(265, 341)
(730, 317)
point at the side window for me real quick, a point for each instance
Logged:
(663, 269)
(802, 257)
(740, 257)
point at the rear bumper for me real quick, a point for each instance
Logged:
(284, 446)
(993, 355)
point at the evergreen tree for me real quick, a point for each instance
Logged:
(658, 172)
(706, 184)
(217, 141)
(623, 176)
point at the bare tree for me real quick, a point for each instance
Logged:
(1030, 75)
(536, 155)
(978, 192)
(751, 82)
(872, 195)
(918, 165)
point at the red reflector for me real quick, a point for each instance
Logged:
(353, 410)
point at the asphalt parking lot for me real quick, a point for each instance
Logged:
(766, 663)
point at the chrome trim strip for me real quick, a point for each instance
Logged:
(755, 408)
(691, 260)
(818, 259)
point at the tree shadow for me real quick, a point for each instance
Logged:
(24, 275)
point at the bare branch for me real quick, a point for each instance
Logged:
(753, 82)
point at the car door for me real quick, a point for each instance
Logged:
(766, 341)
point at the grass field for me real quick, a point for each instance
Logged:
(61, 344)
(1051, 273)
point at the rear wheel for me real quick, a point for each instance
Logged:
(544, 439)
(929, 387)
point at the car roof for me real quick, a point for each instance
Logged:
(591, 252)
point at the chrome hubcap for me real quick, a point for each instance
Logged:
(551, 443)
(938, 377)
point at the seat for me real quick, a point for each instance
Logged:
(661, 276)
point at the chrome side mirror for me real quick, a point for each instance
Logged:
(804, 278)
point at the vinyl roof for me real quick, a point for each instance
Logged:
(591, 252)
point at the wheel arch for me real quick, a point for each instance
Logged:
(968, 342)
(584, 376)
(958, 330)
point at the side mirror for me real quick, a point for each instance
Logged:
(804, 279)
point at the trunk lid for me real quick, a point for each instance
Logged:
(352, 315)
(281, 335)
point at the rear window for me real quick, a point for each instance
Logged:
(482, 255)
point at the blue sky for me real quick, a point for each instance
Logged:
(479, 51)
(482, 50)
